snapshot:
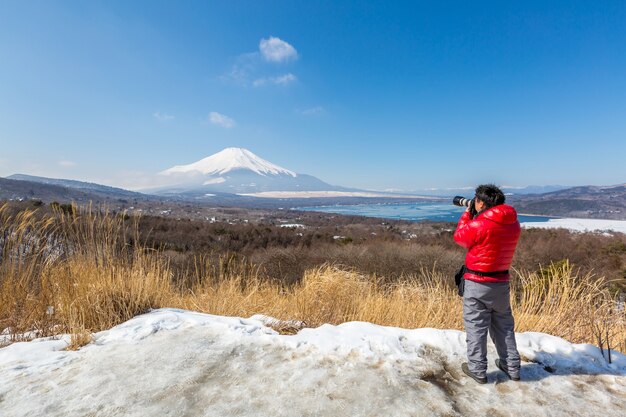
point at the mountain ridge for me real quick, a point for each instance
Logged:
(75, 184)
(589, 201)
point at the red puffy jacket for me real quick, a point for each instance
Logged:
(491, 238)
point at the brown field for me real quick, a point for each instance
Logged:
(81, 271)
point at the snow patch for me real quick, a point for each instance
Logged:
(217, 180)
(176, 362)
(580, 225)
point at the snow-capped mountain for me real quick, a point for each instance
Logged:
(236, 171)
(228, 160)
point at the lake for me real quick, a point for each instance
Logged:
(437, 212)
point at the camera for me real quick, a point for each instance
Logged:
(462, 201)
(465, 202)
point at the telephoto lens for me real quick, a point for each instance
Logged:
(461, 201)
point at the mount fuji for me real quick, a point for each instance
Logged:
(236, 171)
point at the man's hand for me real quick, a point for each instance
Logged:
(471, 209)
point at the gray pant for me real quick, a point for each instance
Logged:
(487, 308)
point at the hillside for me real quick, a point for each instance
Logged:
(177, 362)
(585, 202)
(26, 190)
(27, 187)
(78, 185)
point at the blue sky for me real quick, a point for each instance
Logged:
(377, 95)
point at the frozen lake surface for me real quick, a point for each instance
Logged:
(440, 212)
(437, 212)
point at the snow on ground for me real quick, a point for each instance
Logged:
(181, 363)
(580, 225)
(293, 226)
(322, 194)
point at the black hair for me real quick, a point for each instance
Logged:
(490, 194)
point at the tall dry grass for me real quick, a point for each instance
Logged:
(69, 273)
(86, 271)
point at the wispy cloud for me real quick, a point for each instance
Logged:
(277, 50)
(131, 180)
(241, 71)
(221, 120)
(280, 80)
(67, 164)
(313, 111)
(163, 117)
(255, 68)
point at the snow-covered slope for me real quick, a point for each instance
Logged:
(181, 363)
(228, 160)
(580, 225)
(235, 171)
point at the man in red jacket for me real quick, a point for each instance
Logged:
(491, 238)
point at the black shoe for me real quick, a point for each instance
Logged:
(502, 366)
(469, 373)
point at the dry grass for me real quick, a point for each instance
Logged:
(87, 272)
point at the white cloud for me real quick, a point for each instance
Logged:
(277, 50)
(250, 68)
(163, 117)
(280, 80)
(313, 111)
(284, 79)
(67, 164)
(221, 120)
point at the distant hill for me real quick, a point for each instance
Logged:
(46, 190)
(469, 191)
(598, 202)
(78, 185)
